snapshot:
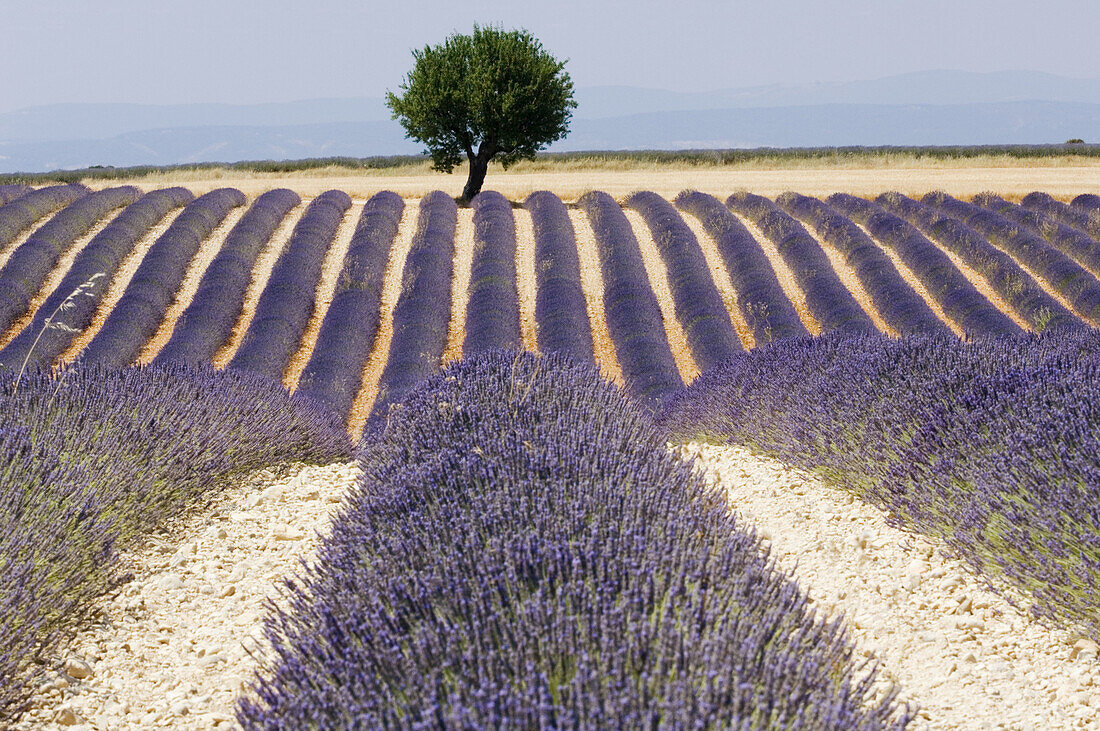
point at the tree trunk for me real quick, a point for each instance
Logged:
(479, 165)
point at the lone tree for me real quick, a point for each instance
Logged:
(493, 94)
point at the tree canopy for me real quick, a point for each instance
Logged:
(494, 94)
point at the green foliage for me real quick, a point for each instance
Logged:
(494, 94)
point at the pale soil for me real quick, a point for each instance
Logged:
(64, 263)
(460, 284)
(850, 281)
(914, 283)
(325, 291)
(722, 280)
(391, 290)
(588, 254)
(657, 273)
(119, 281)
(261, 272)
(525, 277)
(783, 273)
(1011, 178)
(190, 284)
(966, 656)
(21, 238)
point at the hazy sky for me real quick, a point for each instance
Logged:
(156, 51)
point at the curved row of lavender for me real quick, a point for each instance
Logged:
(829, 301)
(206, 324)
(94, 459)
(1087, 202)
(523, 551)
(287, 302)
(634, 318)
(1074, 216)
(334, 373)
(1037, 308)
(11, 191)
(70, 307)
(896, 302)
(21, 213)
(492, 304)
(28, 267)
(561, 311)
(423, 310)
(760, 298)
(138, 313)
(1060, 272)
(698, 305)
(960, 300)
(1071, 242)
(990, 445)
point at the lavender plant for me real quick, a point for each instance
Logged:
(287, 301)
(423, 310)
(561, 313)
(492, 308)
(334, 373)
(30, 265)
(1061, 273)
(19, 214)
(1026, 297)
(959, 298)
(990, 445)
(900, 307)
(208, 321)
(762, 301)
(1087, 202)
(524, 552)
(104, 253)
(10, 192)
(1069, 241)
(634, 318)
(138, 313)
(96, 460)
(829, 301)
(1072, 216)
(698, 305)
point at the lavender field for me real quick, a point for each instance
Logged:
(522, 548)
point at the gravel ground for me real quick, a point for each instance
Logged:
(966, 656)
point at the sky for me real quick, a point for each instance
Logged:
(160, 52)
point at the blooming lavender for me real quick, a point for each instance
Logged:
(561, 312)
(334, 373)
(492, 307)
(900, 307)
(423, 310)
(102, 456)
(29, 265)
(522, 551)
(990, 445)
(829, 301)
(208, 321)
(20, 214)
(698, 305)
(1072, 216)
(763, 304)
(974, 314)
(10, 192)
(1087, 202)
(1060, 272)
(138, 313)
(1027, 298)
(634, 318)
(103, 254)
(1071, 242)
(287, 302)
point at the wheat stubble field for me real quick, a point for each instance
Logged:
(885, 373)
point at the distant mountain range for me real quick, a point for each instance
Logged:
(928, 108)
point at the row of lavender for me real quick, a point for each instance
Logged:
(1051, 250)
